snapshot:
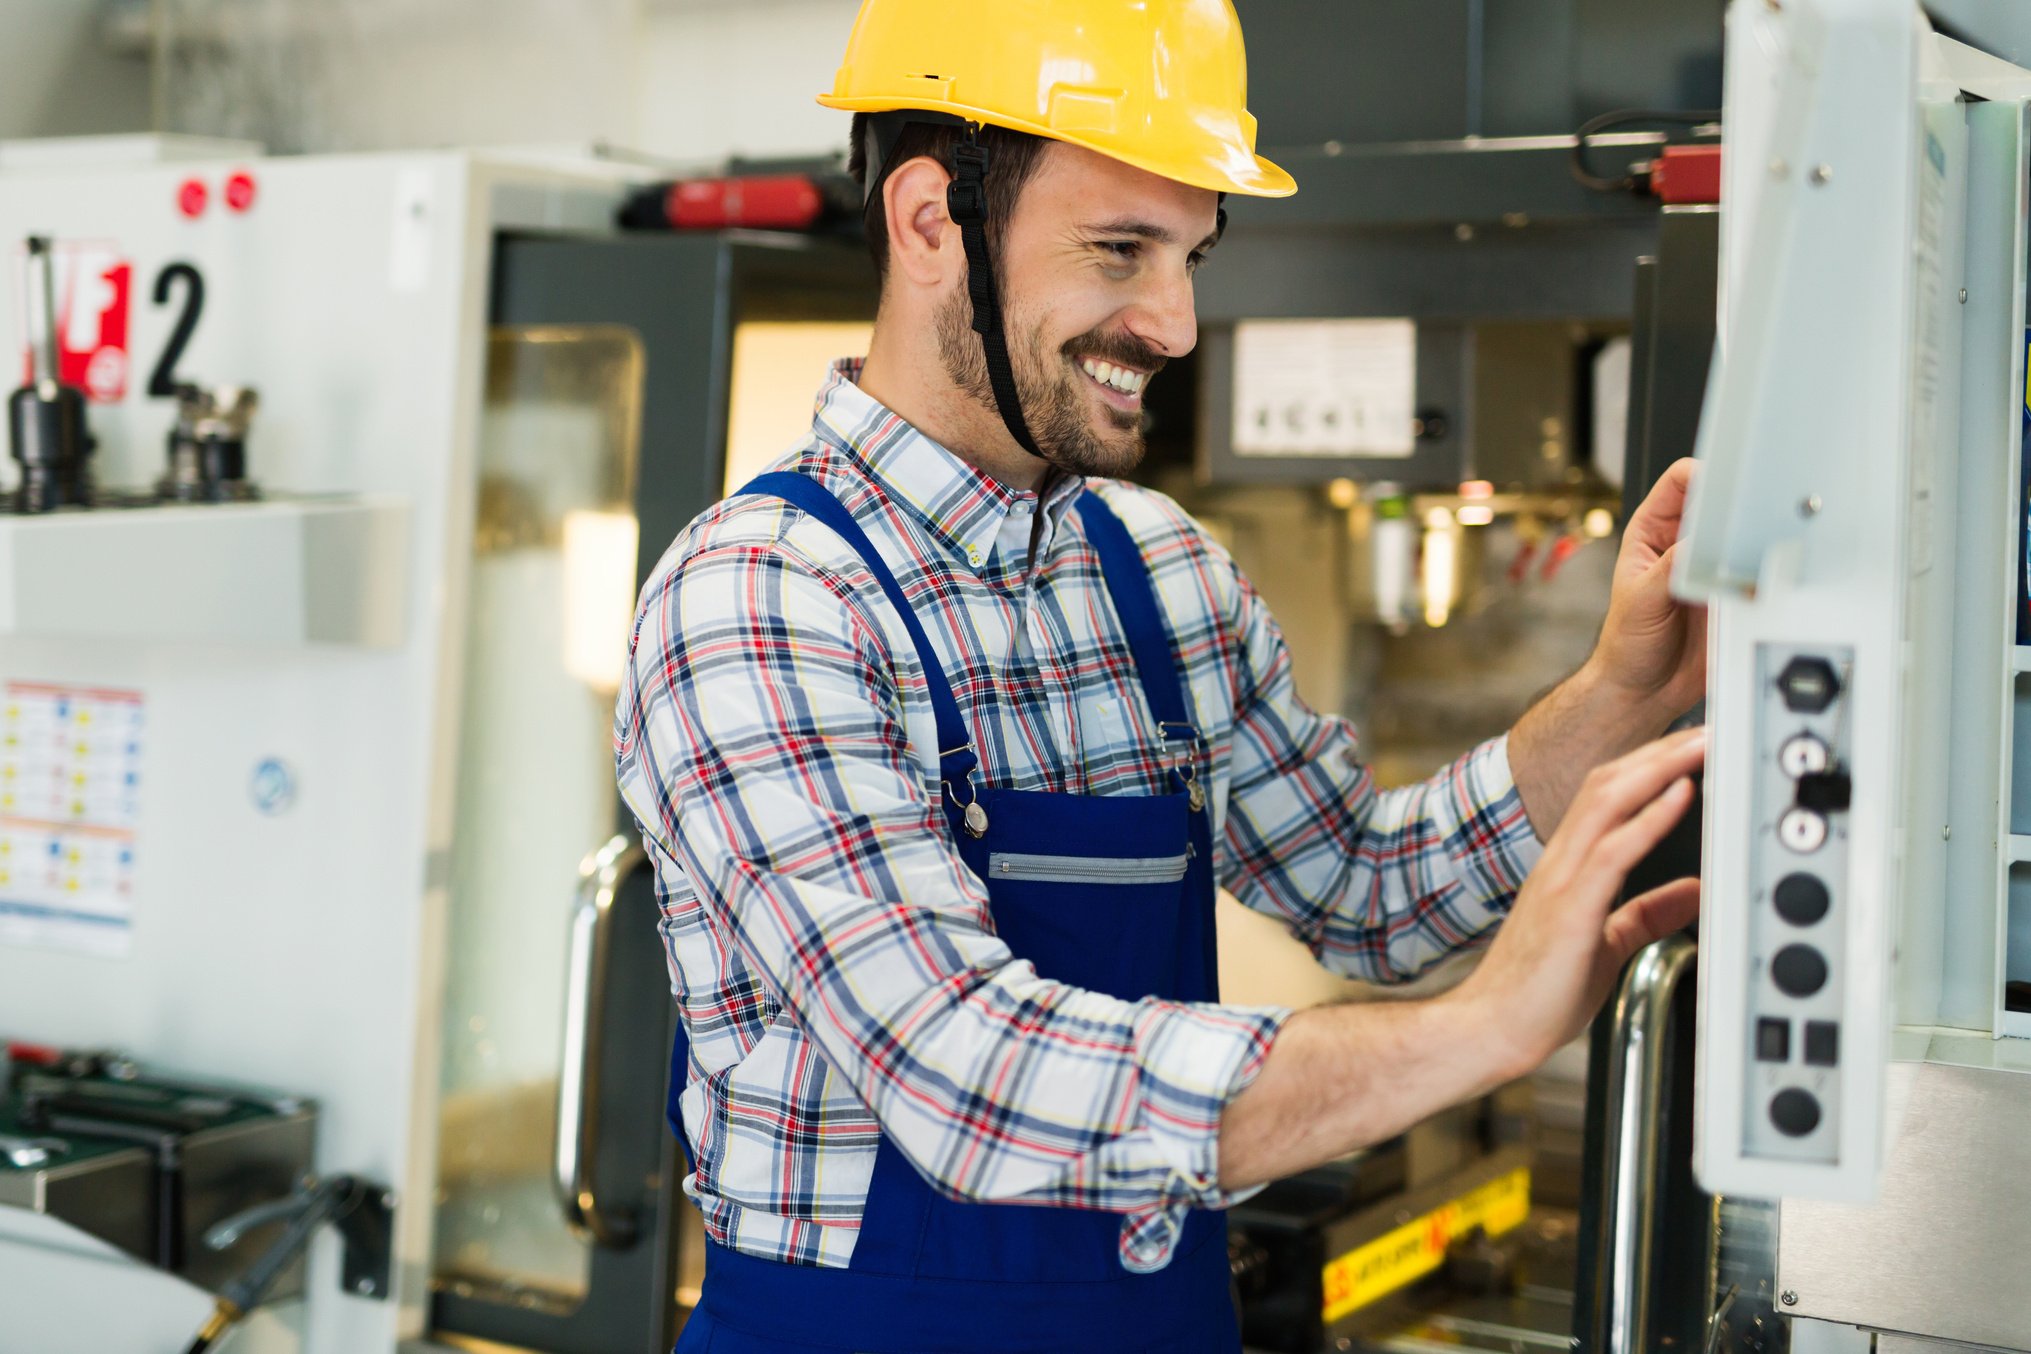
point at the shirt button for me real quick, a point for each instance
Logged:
(1021, 510)
(973, 554)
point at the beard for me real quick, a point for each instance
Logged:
(1055, 404)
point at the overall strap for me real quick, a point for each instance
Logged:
(956, 759)
(1135, 601)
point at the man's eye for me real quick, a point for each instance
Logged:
(1122, 249)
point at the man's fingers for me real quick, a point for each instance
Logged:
(1655, 521)
(1623, 847)
(1615, 790)
(1652, 916)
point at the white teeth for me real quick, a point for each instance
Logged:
(1121, 378)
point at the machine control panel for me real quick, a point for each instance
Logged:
(1798, 867)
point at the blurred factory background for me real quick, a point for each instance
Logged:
(1562, 322)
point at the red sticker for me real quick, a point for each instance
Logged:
(240, 191)
(191, 198)
(94, 286)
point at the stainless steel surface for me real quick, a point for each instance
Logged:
(228, 1170)
(1819, 1337)
(97, 1195)
(1638, 1075)
(1942, 1253)
(1858, 1342)
(578, 1082)
(112, 1194)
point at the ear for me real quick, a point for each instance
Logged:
(924, 245)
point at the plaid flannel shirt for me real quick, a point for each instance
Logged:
(835, 963)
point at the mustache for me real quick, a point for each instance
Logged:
(1120, 349)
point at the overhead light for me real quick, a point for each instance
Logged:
(1438, 567)
(1476, 514)
(1597, 523)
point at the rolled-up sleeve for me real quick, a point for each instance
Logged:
(762, 746)
(1380, 885)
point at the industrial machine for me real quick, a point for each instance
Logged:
(356, 834)
(231, 718)
(1857, 532)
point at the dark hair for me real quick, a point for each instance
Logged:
(1012, 158)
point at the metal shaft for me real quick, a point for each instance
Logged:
(42, 344)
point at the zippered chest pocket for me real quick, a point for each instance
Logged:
(1087, 869)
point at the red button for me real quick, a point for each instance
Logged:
(191, 198)
(240, 191)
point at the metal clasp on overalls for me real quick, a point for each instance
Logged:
(1195, 793)
(971, 814)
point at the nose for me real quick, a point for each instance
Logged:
(1166, 315)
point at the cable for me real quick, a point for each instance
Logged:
(1622, 117)
(224, 1314)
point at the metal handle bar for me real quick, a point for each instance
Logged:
(578, 1082)
(1638, 1072)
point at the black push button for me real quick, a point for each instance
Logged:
(1829, 791)
(1801, 899)
(1798, 970)
(1773, 1040)
(1795, 1112)
(1822, 1043)
(1809, 685)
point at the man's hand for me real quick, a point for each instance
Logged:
(1558, 953)
(1344, 1077)
(1649, 667)
(1654, 647)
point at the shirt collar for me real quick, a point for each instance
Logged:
(960, 506)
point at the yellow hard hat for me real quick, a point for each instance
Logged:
(1158, 84)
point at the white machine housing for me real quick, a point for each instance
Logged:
(292, 939)
(1824, 531)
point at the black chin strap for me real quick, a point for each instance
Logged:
(966, 203)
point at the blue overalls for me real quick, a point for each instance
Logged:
(1111, 893)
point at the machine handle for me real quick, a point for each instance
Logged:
(578, 1082)
(1639, 1068)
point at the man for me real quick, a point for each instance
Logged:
(940, 738)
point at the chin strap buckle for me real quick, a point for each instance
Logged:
(966, 195)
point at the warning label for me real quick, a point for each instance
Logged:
(1418, 1247)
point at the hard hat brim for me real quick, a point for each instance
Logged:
(1236, 169)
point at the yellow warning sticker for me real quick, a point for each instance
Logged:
(1418, 1247)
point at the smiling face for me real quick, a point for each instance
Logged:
(1096, 280)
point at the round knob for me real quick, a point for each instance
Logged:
(1798, 970)
(1795, 1112)
(1801, 899)
(1802, 831)
(1803, 755)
